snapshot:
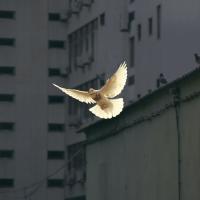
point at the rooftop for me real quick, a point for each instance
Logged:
(164, 89)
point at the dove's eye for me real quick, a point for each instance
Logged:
(91, 90)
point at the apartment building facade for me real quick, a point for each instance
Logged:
(32, 121)
(150, 36)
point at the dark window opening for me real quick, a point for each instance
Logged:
(158, 21)
(55, 183)
(76, 198)
(102, 19)
(6, 126)
(132, 51)
(7, 97)
(7, 42)
(150, 25)
(56, 99)
(56, 155)
(86, 38)
(70, 52)
(5, 14)
(9, 70)
(6, 153)
(139, 32)
(131, 80)
(56, 127)
(56, 44)
(54, 17)
(54, 72)
(6, 182)
(131, 17)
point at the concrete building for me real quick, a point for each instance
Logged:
(157, 39)
(78, 44)
(32, 121)
(151, 151)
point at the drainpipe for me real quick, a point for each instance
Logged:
(177, 102)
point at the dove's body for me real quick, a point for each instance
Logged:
(105, 106)
(101, 100)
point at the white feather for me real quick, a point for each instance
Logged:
(116, 83)
(114, 109)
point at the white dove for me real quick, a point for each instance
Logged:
(105, 106)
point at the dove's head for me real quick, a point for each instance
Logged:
(91, 91)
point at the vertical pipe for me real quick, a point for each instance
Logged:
(176, 98)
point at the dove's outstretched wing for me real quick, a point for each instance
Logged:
(82, 96)
(116, 83)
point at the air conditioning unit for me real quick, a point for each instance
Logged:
(87, 3)
(65, 71)
(124, 22)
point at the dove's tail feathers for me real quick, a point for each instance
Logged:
(115, 107)
(118, 105)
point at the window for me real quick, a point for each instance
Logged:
(6, 182)
(70, 52)
(7, 70)
(5, 14)
(131, 80)
(132, 51)
(81, 41)
(86, 38)
(6, 126)
(139, 32)
(56, 127)
(131, 17)
(92, 43)
(56, 155)
(54, 72)
(55, 183)
(54, 17)
(56, 99)
(75, 48)
(158, 14)
(76, 154)
(6, 153)
(102, 19)
(56, 44)
(150, 25)
(7, 42)
(76, 198)
(7, 97)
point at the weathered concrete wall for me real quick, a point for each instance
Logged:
(138, 157)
